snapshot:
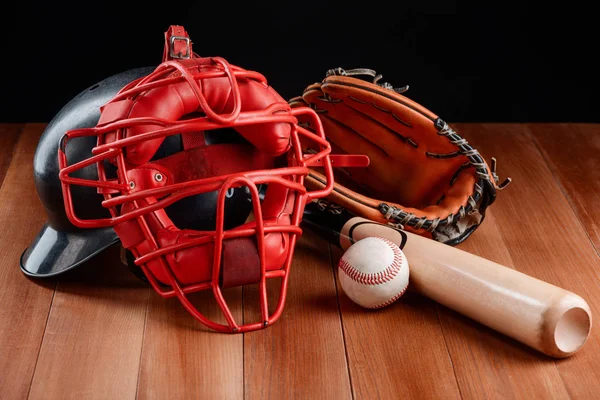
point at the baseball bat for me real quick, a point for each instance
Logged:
(545, 317)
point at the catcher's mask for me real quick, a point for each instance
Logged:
(185, 98)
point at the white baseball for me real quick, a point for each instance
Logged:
(373, 272)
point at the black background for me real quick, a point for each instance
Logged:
(465, 62)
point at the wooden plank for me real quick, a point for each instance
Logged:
(398, 351)
(25, 302)
(183, 359)
(92, 344)
(301, 355)
(543, 236)
(93, 339)
(9, 134)
(487, 363)
(573, 154)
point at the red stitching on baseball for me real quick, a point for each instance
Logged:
(390, 301)
(380, 277)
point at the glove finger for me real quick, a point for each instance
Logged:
(344, 140)
(359, 124)
(392, 160)
(356, 123)
(391, 174)
(376, 174)
(312, 92)
(395, 179)
(349, 142)
(297, 101)
(390, 109)
(339, 135)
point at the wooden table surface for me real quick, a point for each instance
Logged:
(99, 332)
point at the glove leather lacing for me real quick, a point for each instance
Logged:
(403, 218)
(366, 72)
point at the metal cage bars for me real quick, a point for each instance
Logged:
(172, 193)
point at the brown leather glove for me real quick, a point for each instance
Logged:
(422, 176)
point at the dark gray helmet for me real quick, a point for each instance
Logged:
(60, 246)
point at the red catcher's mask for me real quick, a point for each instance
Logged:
(189, 95)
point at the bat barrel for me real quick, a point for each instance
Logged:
(567, 328)
(545, 317)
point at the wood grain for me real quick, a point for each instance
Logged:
(488, 364)
(183, 359)
(92, 344)
(398, 351)
(573, 154)
(9, 135)
(25, 303)
(105, 334)
(543, 236)
(301, 355)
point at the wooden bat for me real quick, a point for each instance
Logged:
(545, 317)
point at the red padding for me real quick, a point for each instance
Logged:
(194, 264)
(240, 264)
(214, 160)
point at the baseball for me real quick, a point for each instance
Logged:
(373, 272)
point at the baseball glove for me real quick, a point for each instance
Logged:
(422, 176)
